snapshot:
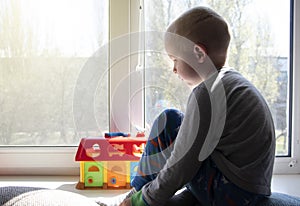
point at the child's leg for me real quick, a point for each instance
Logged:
(211, 187)
(163, 133)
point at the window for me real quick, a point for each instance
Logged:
(49, 58)
(62, 68)
(264, 48)
(260, 50)
(50, 63)
(46, 51)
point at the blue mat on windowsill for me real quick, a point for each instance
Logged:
(280, 199)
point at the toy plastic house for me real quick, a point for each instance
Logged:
(108, 162)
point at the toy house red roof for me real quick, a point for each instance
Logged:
(109, 149)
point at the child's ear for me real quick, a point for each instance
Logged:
(200, 53)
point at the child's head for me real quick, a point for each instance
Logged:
(207, 30)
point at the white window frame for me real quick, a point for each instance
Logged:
(124, 16)
(290, 165)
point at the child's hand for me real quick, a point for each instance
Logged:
(126, 202)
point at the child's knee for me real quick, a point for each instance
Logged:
(172, 118)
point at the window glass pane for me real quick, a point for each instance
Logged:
(259, 50)
(46, 48)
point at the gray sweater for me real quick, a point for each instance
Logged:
(229, 120)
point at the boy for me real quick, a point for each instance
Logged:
(225, 147)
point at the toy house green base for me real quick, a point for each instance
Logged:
(106, 174)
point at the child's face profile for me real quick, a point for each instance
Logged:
(186, 62)
(185, 72)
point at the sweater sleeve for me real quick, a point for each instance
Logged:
(137, 199)
(183, 163)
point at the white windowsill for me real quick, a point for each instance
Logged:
(288, 184)
(66, 183)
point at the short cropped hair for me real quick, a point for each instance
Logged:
(204, 27)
